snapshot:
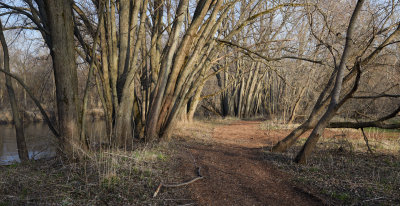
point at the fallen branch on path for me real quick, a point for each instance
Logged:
(199, 177)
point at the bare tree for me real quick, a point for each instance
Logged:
(333, 96)
(18, 123)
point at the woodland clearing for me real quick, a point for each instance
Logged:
(235, 163)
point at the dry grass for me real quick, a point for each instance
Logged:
(5, 117)
(107, 178)
(342, 171)
(200, 130)
(273, 125)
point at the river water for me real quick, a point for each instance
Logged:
(40, 141)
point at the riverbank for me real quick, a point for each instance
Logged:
(106, 178)
(200, 151)
(35, 116)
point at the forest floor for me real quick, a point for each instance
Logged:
(239, 169)
(232, 162)
(232, 156)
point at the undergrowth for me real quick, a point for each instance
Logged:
(342, 171)
(106, 178)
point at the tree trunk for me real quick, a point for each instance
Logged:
(124, 116)
(18, 123)
(296, 105)
(312, 140)
(62, 50)
(90, 74)
(240, 98)
(123, 59)
(193, 104)
(312, 120)
(224, 96)
(107, 89)
(155, 108)
(250, 93)
(112, 53)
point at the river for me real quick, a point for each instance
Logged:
(40, 141)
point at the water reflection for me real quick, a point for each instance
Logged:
(40, 141)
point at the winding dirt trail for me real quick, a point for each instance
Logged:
(234, 171)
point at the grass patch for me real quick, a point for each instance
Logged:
(107, 178)
(273, 125)
(376, 129)
(342, 171)
(202, 130)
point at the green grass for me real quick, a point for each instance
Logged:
(341, 196)
(5, 203)
(376, 129)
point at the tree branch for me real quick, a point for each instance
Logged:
(268, 58)
(36, 101)
(377, 96)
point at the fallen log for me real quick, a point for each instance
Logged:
(359, 125)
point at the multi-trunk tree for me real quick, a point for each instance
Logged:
(148, 59)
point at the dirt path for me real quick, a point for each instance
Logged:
(234, 171)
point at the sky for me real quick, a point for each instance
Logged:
(26, 40)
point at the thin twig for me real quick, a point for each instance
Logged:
(199, 177)
(366, 141)
(119, 155)
(157, 190)
(184, 183)
(377, 198)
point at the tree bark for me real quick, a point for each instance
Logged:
(107, 89)
(62, 50)
(124, 117)
(155, 108)
(193, 104)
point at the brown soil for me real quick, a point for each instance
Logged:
(234, 171)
